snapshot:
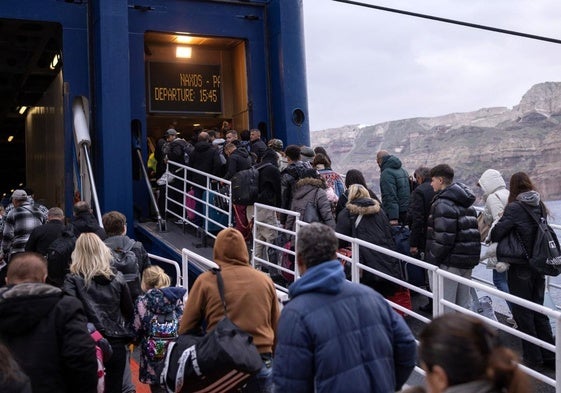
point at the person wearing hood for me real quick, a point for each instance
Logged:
(364, 219)
(310, 190)
(106, 299)
(394, 187)
(495, 196)
(523, 281)
(334, 334)
(159, 302)
(45, 330)
(453, 239)
(250, 296)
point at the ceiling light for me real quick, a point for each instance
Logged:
(22, 110)
(183, 52)
(10, 138)
(54, 62)
(197, 125)
(183, 39)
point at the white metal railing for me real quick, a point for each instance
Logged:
(440, 305)
(171, 262)
(188, 256)
(210, 212)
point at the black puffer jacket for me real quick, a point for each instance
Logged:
(515, 218)
(374, 227)
(107, 303)
(311, 190)
(453, 237)
(85, 222)
(46, 333)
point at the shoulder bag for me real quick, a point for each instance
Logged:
(220, 361)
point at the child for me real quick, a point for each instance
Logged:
(156, 321)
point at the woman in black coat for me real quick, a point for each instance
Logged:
(353, 176)
(364, 219)
(106, 299)
(523, 281)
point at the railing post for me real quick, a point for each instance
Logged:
(437, 293)
(355, 258)
(558, 355)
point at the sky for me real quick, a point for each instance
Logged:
(366, 66)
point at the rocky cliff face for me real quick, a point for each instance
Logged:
(525, 138)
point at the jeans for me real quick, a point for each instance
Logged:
(500, 281)
(262, 382)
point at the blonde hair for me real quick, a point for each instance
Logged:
(358, 191)
(91, 257)
(154, 277)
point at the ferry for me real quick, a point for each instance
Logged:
(86, 84)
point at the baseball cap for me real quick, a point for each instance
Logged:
(171, 131)
(19, 194)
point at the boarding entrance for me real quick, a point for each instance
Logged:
(193, 83)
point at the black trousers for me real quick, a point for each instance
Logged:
(115, 366)
(526, 283)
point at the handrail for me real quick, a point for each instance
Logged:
(161, 221)
(440, 305)
(179, 172)
(174, 264)
(82, 138)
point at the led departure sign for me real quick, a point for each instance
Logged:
(184, 88)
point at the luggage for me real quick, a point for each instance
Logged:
(215, 214)
(403, 298)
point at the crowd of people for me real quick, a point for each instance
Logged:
(60, 274)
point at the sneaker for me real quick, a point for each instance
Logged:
(512, 322)
(179, 222)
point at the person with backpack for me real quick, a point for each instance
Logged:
(129, 256)
(289, 176)
(523, 280)
(238, 160)
(156, 323)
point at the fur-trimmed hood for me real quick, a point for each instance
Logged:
(364, 206)
(307, 185)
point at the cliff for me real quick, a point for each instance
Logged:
(525, 138)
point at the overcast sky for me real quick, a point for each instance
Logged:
(366, 66)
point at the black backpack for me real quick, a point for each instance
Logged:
(245, 185)
(125, 261)
(546, 254)
(59, 257)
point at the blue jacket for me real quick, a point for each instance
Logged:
(337, 336)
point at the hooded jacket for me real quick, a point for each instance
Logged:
(155, 302)
(250, 295)
(395, 188)
(453, 237)
(334, 334)
(374, 227)
(289, 176)
(495, 194)
(310, 190)
(47, 335)
(516, 219)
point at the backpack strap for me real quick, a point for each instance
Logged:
(220, 282)
(533, 215)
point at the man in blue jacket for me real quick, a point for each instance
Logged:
(334, 334)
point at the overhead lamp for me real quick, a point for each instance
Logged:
(183, 52)
(54, 62)
(183, 39)
(197, 125)
(22, 110)
(10, 138)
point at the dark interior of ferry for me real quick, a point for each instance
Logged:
(26, 71)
